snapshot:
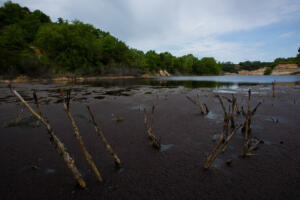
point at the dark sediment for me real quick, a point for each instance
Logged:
(31, 169)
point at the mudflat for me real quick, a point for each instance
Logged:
(32, 169)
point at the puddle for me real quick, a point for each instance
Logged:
(165, 147)
(99, 97)
(121, 92)
(277, 120)
(50, 171)
(267, 142)
(225, 91)
(212, 115)
(120, 170)
(139, 107)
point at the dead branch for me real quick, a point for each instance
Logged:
(222, 144)
(149, 128)
(100, 133)
(273, 89)
(58, 144)
(248, 145)
(66, 103)
(202, 107)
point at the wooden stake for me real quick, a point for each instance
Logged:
(66, 103)
(273, 89)
(58, 144)
(100, 133)
(222, 144)
(202, 107)
(149, 130)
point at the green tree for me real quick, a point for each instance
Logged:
(208, 66)
(12, 13)
(152, 61)
(12, 37)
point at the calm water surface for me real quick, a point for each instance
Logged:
(200, 81)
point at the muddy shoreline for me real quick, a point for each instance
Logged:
(31, 168)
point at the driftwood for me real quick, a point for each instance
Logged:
(229, 118)
(200, 106)
(219, 148)
(273, 89)
(229, 115)
(56, 141)
(149, 128)
(66, 103)
(100, 133)
(248, 145)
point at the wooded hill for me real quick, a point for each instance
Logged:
(31, 44)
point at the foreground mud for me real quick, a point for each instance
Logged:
(31, 168)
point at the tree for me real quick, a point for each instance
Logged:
(208, 66)
(12, 37)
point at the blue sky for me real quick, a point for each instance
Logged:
(229, 30)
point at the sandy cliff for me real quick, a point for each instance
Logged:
(286, 69)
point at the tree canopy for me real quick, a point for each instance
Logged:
(31, 44)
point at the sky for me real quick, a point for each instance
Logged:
(228, 30)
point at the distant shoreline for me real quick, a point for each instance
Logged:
(25, 79)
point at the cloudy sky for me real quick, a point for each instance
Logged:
(229, 30)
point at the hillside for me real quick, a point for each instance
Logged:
(32, 45)
(286, 69)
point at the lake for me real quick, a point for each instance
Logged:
(200, 81)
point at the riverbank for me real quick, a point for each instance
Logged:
(31, 168)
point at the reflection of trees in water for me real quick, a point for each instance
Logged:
(157, 83)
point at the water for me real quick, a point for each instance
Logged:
(232, 82)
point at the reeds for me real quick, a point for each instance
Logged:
(149, 128)
(54, 139)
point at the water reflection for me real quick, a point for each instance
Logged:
(231, 82)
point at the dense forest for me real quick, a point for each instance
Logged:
(31, 44)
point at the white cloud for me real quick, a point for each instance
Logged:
(287, 34)
(192, 26)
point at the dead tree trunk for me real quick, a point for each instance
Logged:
(66, 103)
(149, 129)
(107, 145)
(248, 146)
(53, 138)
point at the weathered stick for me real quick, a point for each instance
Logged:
(248, 146)
(58, 144)
(36, 100)
(202, 107)
(222, 144)
(66, 103)
(149, 130)
(100, 133)
(273, 89)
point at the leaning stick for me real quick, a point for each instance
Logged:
(58, 144)
(78, 136)
(37, 103)
(273, 89)
(222, 144)
(100, 133)
(149, 130)
(198, 105)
